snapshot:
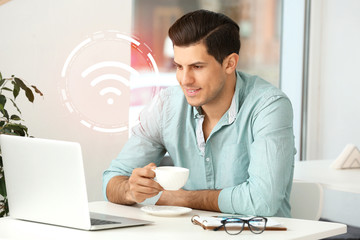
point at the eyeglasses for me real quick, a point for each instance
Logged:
(234, 226)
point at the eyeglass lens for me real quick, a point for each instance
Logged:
(235, 226)
(257, 225)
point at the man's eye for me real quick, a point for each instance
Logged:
(197, 67)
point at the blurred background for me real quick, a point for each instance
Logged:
(259, 21)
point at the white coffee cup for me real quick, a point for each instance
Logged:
(171, 178)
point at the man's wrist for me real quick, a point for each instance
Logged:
(202, 199)
(152, 200)
(118, 191)
(128, 196)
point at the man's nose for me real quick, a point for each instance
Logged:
(186, 77)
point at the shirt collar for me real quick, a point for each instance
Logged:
(235, 102)
(197, 112)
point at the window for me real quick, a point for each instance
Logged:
(260, 29)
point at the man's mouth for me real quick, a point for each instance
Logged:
(192, 92)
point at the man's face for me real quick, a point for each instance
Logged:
(200, 76)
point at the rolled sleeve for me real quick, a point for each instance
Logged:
(225, 200)
(144, 146)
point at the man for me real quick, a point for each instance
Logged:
(232, 130)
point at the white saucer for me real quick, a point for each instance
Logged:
(165, 211)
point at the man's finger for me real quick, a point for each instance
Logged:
(150, 166)
(145, 182)
(146, 171)
(146, 190)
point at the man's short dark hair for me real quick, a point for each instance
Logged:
(219, 33)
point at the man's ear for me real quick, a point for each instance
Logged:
(230, 63)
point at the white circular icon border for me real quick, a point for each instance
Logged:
(142, 48)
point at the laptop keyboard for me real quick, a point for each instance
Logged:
(95, 221)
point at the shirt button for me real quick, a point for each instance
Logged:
(207, 159)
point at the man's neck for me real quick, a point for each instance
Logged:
(214, 112)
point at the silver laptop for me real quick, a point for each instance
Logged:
(45, 183)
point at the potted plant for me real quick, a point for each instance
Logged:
(11, 123)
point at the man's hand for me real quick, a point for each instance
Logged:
(134, 189)
(142, 185)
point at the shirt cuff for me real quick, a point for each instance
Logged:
(106, 179)
(225, 200)
(152, 200)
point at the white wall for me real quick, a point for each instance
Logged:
(334, 84)
(36, 37)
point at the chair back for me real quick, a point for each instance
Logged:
(306, 200)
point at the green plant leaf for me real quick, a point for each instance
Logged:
(16, 90)
(29, 94)
(4, 207)
(2, 180)
(2, 82)
(7, 89)
(15, 129)
(19, 82)
(37, 90)
(15, 106)
(2, 187)
(2, 100)
(4, 112)
(15, 117)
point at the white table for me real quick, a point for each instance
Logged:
(162, 228)
(341, 189)
(346, 180)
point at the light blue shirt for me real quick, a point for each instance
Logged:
(249, 154)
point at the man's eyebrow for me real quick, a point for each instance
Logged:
(198, 63)
(191, 64)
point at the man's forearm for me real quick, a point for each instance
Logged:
(117, 190)
(202, 199)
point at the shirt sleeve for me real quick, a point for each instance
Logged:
(271, 162)
(144, 146)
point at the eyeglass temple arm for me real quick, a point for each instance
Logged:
(218, 228)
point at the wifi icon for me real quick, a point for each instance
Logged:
(107, 80)
(109, 77)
